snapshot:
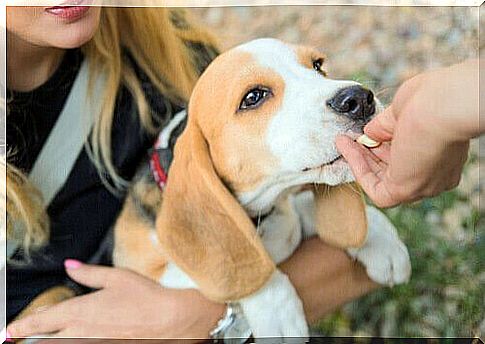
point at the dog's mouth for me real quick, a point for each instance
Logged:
(328, 163)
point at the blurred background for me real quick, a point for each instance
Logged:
(381, 47)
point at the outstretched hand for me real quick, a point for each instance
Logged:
(425, 134)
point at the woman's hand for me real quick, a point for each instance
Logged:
(127, 305)
(429, 124)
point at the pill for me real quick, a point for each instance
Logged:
(367, 141)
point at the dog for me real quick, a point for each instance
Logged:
(260, 129)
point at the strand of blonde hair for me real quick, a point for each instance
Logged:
(160, 49)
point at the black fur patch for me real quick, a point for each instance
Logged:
(202, 54)
(177, 17)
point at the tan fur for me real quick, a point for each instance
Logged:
(306, 55)
(201, 226)
(204, 230)
(340, 217)
(134, 248)
(48, 298)
(241, 164)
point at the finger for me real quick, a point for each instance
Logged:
(375, 164)
(372, 161)
(78, 335)
(354, 155)
(93, 276)
(381, 127)
(56, 340)
(366, 177)
(78, 332)
(47, 321)
(383, 151)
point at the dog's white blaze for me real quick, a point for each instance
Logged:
(303, 131)
(300, 135)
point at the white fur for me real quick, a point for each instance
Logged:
(276, 310)
(303, 131)
(164, 136)
(384, 255)
(281, 231)
(301, 135)
(305, 207)
(174, 277)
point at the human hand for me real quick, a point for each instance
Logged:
(127, 305)
(426, 131)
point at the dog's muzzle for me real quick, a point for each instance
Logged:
(355, 102)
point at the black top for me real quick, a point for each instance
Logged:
(83, 211)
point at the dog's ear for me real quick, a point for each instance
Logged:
(204, 230)
(340, 217)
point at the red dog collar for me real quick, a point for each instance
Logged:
(161, 155)
(157, 170)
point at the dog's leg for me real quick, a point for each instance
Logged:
(384, 255)
(305, 207)
(281, 231)
(273, 311)
(276, 311)
(134, 248)
(174, 277)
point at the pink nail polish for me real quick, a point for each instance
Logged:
(8, 337)
(72, 264)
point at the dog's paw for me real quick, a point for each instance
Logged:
(276, 311)
(173, 277)
(384, 255)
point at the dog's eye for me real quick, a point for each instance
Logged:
(317, 65)
(254, 98)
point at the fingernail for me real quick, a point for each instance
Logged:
(8, 337)
(72, 264)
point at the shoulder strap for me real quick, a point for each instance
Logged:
(67, 138)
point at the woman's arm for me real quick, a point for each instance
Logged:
(129, 305)
(325, 278)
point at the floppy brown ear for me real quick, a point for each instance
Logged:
(340, 217)
(204, 230)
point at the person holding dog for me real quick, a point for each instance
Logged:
(138, 67)
(426, 133)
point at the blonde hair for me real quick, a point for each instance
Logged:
(161, 42)
(24, 207)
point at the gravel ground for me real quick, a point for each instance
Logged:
(381, 47)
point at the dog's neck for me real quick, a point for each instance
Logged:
(262, 204)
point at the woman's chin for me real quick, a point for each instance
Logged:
(75, 34)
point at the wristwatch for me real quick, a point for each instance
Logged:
(232, 328)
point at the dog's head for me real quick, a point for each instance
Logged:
(263, 119)
(271, 115)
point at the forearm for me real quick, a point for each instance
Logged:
(325, 278)
(448, 99)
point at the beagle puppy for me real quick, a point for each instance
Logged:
(259, 131)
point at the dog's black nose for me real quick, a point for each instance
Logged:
(355, 102)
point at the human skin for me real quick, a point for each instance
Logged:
(426, 132)
(37, 41)
(324, 277)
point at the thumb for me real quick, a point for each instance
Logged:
(381, 127)
(92, 276)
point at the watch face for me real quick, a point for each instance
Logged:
(239, 331)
